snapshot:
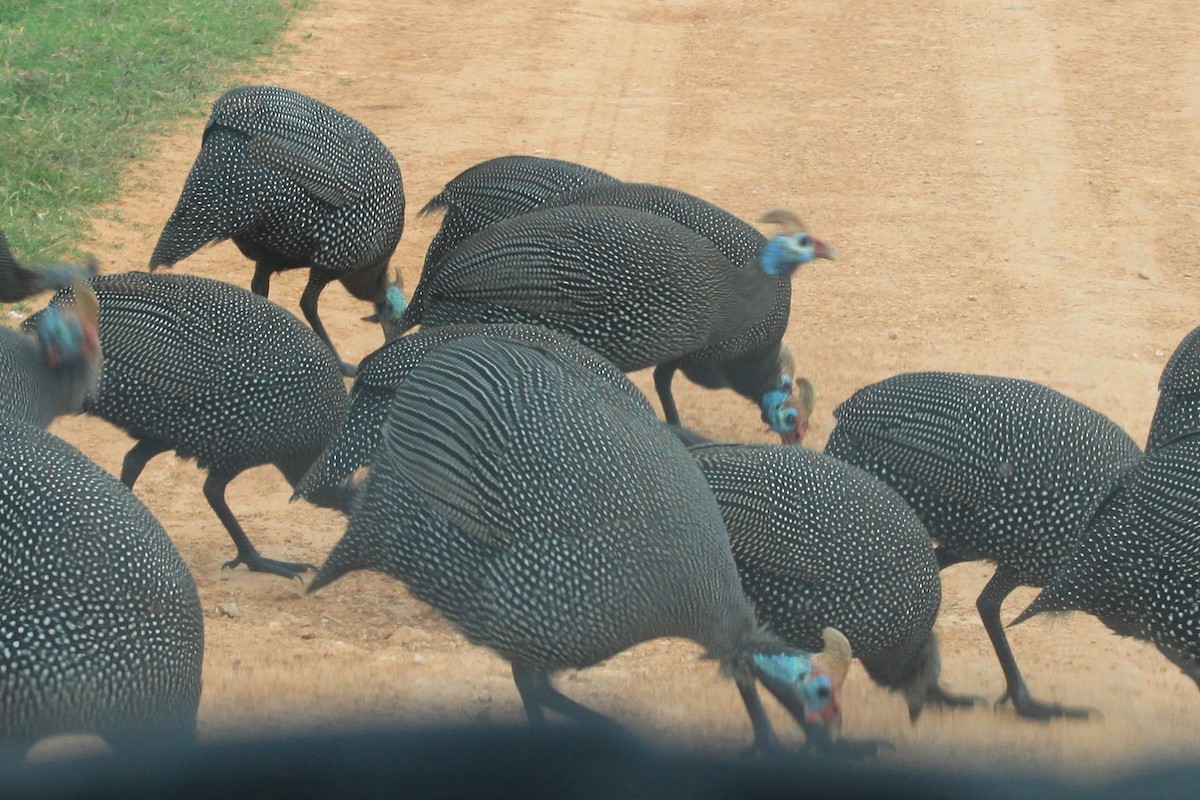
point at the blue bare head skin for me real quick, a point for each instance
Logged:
(389, 309)
(61, 335)
(776, 412)
(784, 254)
(791, 248)
(796, 670)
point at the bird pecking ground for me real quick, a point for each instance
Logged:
(1012, 188)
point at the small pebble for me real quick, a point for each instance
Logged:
(231, 610)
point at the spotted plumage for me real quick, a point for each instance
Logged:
(100, 624)
(1137, 567)
(382, 373)
(53, 366)
(1178, 412)
(998, 468)
(755, 363)
(820, 543)
(497, 189)
(635, 286)
(217, 374)
(546, 513)
(294, 183)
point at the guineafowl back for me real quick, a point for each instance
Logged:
(821, 543)
(284, 174)
(497, 189)
(545, 512)
(229, 378)
(382, 372)
(739, 241)
(1178, 412)
(638, 288)
(998, 468)
(100, 622)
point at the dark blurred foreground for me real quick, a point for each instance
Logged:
(518, 763)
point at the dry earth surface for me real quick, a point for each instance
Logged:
(1013, 188)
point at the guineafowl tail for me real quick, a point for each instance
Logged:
(18, 281)
(350, 447)
(339, 497)
(218, 200)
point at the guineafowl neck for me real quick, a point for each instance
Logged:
(755, 373)
(368, 283)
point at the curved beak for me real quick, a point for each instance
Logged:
(822, 250)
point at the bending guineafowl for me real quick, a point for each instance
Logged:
(821, 543)
(295, 184)
(52, 371)
(218, 374)
(551, 518)
(1135, 569)
(100, 624)
(18, 281)
(756, 364)
(497, 189)
(382, 372)
(999, 469)
(637, 287)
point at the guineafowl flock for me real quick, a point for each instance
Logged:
(499, 464)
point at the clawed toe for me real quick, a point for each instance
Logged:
(284, 569)
(1027, 707)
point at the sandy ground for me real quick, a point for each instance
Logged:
(1013, 188)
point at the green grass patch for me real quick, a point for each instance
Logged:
(84, 83)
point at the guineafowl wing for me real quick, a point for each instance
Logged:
(915, 423)
(318, 149)
(381, 373)
(453, 422)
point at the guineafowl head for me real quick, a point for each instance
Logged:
(389, 309)
(70, 335)
(791, 248)
(785, 411)
(808, 686)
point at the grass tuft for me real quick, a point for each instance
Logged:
(84, 83)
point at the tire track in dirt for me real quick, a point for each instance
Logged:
(1080, 115)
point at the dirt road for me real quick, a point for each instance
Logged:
(1013, 188)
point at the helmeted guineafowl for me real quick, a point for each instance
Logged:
(19, 281)
(1000, 469)
(295, 184)
(637, 287)
(100, 624)
(497, 189)
(820, 543)
(1137, 567)
(382, 372)
(549, 516)
(217, 374)
(756, 364)
(52, 368)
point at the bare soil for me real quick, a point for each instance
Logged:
(1013, 188)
